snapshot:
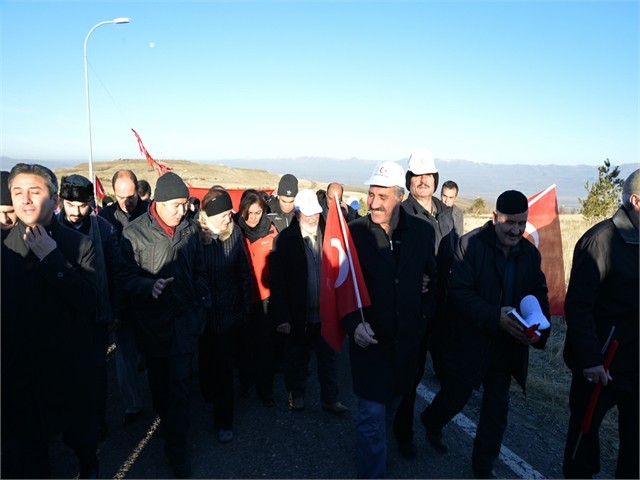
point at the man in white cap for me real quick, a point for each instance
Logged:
(396, 252)
(294, 306)
(602, 306)
(421, 180)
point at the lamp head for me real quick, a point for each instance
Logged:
(121, 20)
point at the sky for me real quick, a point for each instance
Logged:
(538, 82)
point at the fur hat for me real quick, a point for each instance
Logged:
(288, 185)
(76, 188)
(5, 194)
(169, 187)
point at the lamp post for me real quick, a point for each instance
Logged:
(86, 89)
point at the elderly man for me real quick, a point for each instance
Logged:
(127, 208)
(396, 251)
(281, 206)
(602, 306)
(77, 197)
(493, 269)
(295, 266)
(165, 277)
(48, 307)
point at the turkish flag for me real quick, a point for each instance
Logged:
(99, 188)
(342, 287)
(143, 150)
(543, 230)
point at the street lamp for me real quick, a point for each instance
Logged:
(86, 89)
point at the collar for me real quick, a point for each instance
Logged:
(623, 224)
(165, 228)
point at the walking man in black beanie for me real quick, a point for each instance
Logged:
(164, 275)
(493, 269)
(281, 207)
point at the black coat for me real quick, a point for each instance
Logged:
(48, 307)
(442, 222)
(475, 300)
(289, 277)
(172, 323)
(399, 312)
(603, 292)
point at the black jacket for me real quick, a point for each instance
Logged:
(399, 312)
(172, 323)
(475, 299)
(48, 307)
(280, 220)
(603, 293)
(119, 218)
(442, 221)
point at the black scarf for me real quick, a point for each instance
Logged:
(261, 230)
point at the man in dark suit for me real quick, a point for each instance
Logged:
(396, 253)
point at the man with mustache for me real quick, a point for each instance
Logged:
(493, 268)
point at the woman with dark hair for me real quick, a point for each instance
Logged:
(229, 277)
(258, 232)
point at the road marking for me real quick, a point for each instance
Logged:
(517, 465)
(135, 453)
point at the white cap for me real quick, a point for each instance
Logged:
(532, 313)
(306, 202)
(421, 162)
(387, 174)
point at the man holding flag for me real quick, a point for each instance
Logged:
(385, 336)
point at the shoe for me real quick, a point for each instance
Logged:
(130, 418)
(335, 407)
(408, 450)
(483, 473)
(225, 436)
(268, 401)
(296, 403)
(88, 460)
(179, 462)
(434, 437)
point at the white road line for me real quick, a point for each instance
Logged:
(135, 453)
(517, 465)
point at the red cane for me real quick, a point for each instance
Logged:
(586, 421)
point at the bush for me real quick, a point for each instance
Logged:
(603, 196)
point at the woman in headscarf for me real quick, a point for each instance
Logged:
(258, 233)
(229, 276)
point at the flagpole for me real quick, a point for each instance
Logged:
(348, 249)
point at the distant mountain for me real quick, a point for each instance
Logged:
(475, 179)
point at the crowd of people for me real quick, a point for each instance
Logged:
(180, 282)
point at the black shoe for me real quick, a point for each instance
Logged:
(268, 401)
(434, 437)
(179, 463)
(130, 418)
(483, 473)
(408, 450)
(88, 463)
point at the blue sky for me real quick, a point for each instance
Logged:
(499, 82)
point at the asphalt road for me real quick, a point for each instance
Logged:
(278, 443)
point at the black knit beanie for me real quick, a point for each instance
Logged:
(288, 186)
(169, 187)
(219, 204)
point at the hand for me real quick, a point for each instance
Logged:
(363, 335)
(284, 328)
(425, 283)
(514, 328)
(160, 285)
(597, 375)
(39, 241)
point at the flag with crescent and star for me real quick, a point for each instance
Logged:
(342, 287)
(543, 230)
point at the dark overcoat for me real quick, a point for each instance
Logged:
(399, 311)
(48, 307)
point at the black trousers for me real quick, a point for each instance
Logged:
(454, 395)
(169, 385)
(296, 362)
(587, 459)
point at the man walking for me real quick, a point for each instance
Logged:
(164, 275)
(396, 252)
(602, 306)
(492, 270)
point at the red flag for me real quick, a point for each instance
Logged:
(162, 168)
(99, 188)
(342, 287)
(143, 150)
(543, 230)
